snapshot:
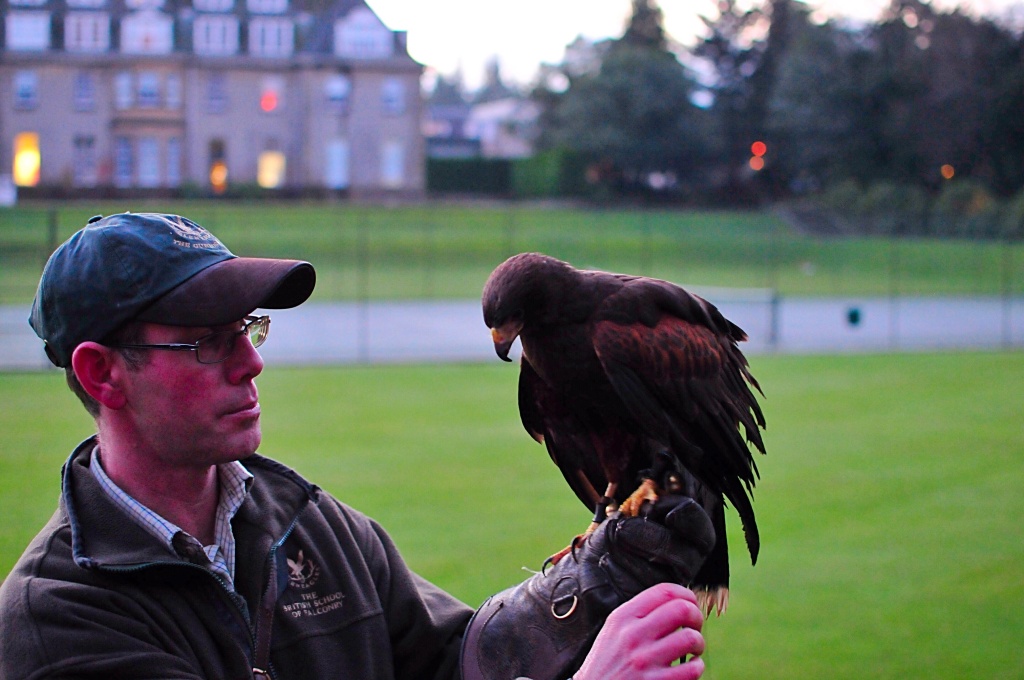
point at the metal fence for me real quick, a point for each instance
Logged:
(791, 291)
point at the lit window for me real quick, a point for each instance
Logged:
(147, 32)
(26, 159)
(86, 3)
(267, 6)
(392, 96)
(149, 90)
(218, 166)
(85, 161)
(122, 162)
(85, 92)
(270, 94)
(270, 170)
(87, 32)
(212, 5)
(28, 3)
(216, 93)
(361, 35)
(124, 95)
(271, 37)
(337, 89)
(213, 35)
(26, 90)
(28, 31)
(336, 173)
(392, 164)
(143, 4)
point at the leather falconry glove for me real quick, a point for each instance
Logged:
(543, 628)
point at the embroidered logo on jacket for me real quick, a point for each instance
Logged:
(303, 574)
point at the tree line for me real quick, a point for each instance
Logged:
(920, 112)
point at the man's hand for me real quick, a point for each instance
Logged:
(645, 636)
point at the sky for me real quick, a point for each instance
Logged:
(452, 35)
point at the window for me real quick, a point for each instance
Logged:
(392, 96)
(212, 5)
(267, 6)
(149, 161)
(86, 3)
(392, 164)
(28, 31)
(218, 166)
(87, 32)
(124, 95)
(270, 93)
(215, 35)
(122, 161)
(147, 32)
(216, 93)
(173, 95)
(173, 162)
(84, 161)
(270, 170)
(149, 90)
(337, 89)
(143, 4)
(271, 37)
(26, 90)
(361, 35)
(336, 172)
(85, 92)
(27, 159)
(28, 3)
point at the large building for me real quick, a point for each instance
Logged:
(100, 96)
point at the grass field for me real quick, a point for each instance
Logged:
(438, 250)
(890, 505)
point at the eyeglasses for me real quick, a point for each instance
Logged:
(215, 347)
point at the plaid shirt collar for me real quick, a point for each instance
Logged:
(234, 480)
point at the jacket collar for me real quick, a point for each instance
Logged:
(102, 536)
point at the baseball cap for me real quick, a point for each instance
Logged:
(151, 267)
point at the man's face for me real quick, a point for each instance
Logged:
(187, 413)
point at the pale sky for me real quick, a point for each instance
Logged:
(446, 35)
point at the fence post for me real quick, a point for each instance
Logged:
(363, 287)
(51, 234)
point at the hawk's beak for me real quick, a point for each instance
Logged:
(503, 338)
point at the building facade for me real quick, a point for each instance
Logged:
(112, 95)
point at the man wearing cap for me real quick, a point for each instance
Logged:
(177, 551)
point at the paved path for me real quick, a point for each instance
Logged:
(382, 332)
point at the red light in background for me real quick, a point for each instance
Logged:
(756, 163)
(759, 149)
(947, 171)
(268, 101)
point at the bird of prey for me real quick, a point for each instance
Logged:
(636, 387)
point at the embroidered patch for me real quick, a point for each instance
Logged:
(302, 573)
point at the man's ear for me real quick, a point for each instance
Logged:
(98, 369)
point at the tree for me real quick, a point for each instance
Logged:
(632, 119)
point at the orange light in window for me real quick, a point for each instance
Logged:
(26, 159)
(268, 100)
(219, 177)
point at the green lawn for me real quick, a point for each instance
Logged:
(439, 250)
(890, 505)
